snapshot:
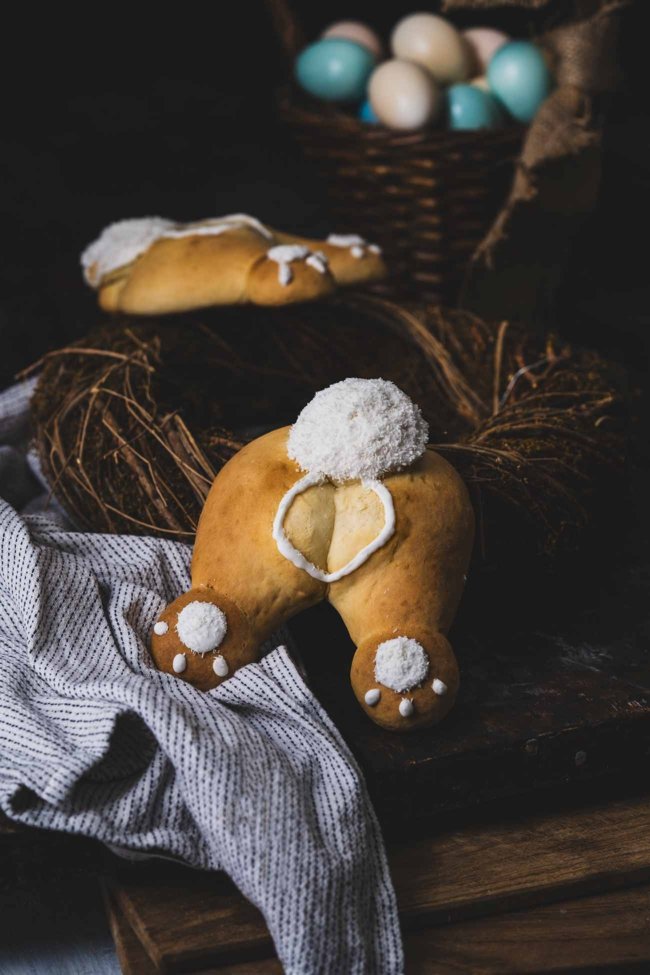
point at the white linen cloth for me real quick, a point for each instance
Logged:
(251, 778)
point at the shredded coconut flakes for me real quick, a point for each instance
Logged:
(201, 626)
(401, 664)
(119, 244)
(124, 241)
(358, 429)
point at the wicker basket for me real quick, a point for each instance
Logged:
(427, 197)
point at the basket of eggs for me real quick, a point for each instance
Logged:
(415, 136)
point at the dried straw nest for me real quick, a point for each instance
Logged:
(133, 422)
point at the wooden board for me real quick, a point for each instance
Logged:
(555, 690)
(187, 920)
(610, 932)
(134, 960)
(131, 955)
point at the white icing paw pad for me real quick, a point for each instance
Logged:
(202, 639)
(405, 683)
(179, 663)
(201, 626)
(401, 664)
(220, 666)
(406, 708)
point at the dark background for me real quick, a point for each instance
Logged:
(109, 114)
(115, 114)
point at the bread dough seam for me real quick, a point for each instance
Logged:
(291, 553)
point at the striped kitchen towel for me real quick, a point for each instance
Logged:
(251, 778)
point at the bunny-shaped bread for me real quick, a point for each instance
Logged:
(153, 266)
(347, 505)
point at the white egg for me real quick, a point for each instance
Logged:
(436, 45)
(403, 96)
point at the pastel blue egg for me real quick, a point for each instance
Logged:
(335, 69)
(519, 77)
(367, 113)
(471, 108)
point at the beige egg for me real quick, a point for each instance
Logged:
(436, 45)
(354, 30)
(404, 96)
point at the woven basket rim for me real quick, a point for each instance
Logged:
(331, 120)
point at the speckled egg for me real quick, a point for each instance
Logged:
(367, 114)
(519, 77)
(484, 42)
(404, 96)
(335, 70)
(468, 107)
(354, 30)
(435, 44)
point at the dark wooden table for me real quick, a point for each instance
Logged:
(561, 891)
(554, 884)
(525, 815)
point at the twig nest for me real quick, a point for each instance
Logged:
(358, 429)
(538, 430)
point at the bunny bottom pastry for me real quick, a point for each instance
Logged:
(154, 266)
(347, 505)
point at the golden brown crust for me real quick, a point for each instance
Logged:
(427, 555)
(178, 274)
(428, 707)
(235, 551)
(347, 269)
(410, 587)
(240, 646)
(182, 273)
(307, 284)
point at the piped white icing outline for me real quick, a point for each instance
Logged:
(291, 553)
(346, 240)
(213, 226)
(357, 245)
